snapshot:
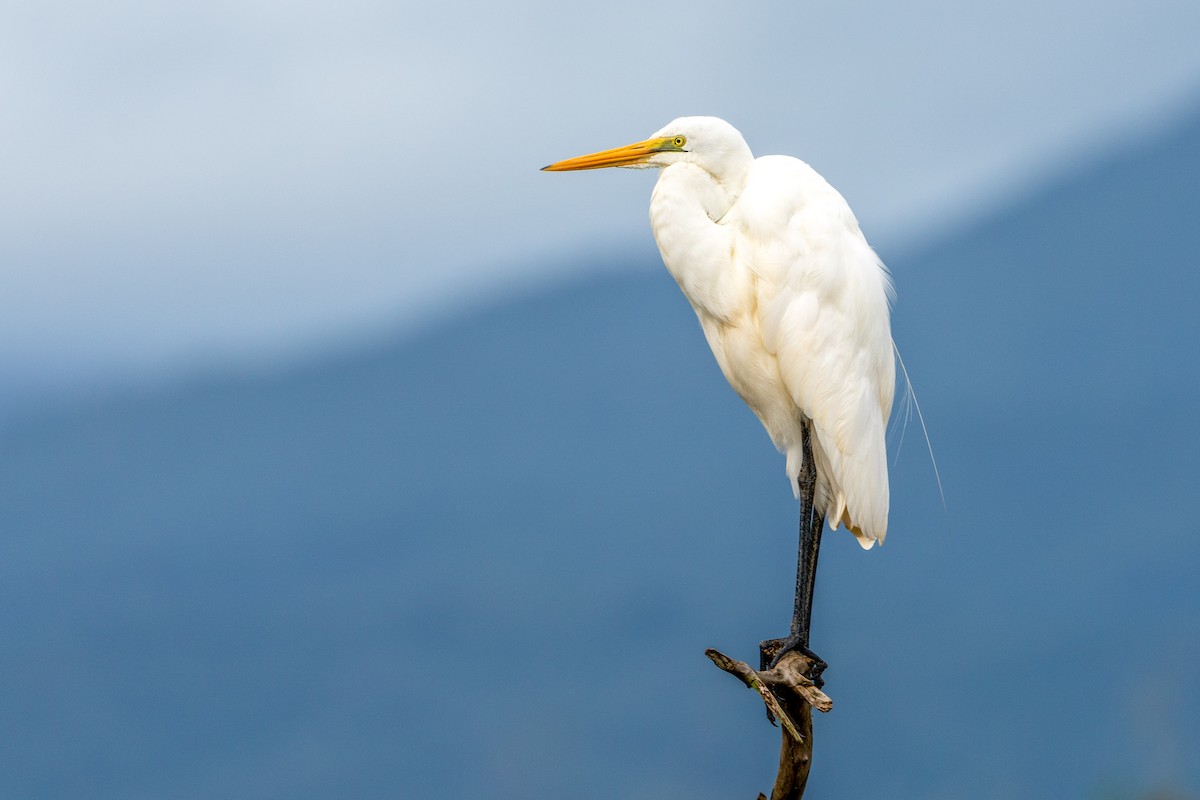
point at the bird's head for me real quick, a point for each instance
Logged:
(708, 142)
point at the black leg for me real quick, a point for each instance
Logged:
(812, 523)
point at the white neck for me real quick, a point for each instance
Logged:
(686, 210)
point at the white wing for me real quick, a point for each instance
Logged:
(822, 308)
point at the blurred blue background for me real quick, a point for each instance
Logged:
(344, 453)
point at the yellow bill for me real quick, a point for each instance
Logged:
(627, 156)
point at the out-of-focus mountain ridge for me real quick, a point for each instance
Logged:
(487, 560)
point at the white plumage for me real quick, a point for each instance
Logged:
(792, 299)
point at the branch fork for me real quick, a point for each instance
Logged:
(789, 696)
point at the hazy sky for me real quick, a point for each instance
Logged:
(199, 182)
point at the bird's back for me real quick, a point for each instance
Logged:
(822, 315)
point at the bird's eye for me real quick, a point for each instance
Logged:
(679, 141)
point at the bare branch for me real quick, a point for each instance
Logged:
(790, 697)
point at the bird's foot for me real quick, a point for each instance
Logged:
(772, 650)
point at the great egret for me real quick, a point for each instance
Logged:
(794, 304)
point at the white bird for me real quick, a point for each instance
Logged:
(795, 306)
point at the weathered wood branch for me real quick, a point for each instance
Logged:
(790, 697)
